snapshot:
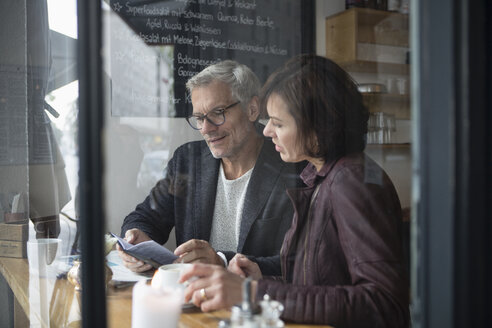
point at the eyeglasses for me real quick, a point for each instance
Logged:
(216, 117)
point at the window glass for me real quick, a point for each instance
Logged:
(151, 50)
(170, 176)
(38, 162)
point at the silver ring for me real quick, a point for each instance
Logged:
(203, 295)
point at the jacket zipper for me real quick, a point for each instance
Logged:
(282, 267)
(308, 227)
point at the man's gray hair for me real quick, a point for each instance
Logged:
(240, 78)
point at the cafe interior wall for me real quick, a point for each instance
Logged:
(395, 160)
(127, 176)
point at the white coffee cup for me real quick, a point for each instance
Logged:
(168, 275)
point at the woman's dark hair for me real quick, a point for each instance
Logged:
(324, 101)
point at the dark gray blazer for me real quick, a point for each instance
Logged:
(185, 199)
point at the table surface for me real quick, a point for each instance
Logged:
(34, 294)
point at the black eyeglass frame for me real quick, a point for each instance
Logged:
(215, 111)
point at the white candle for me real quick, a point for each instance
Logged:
(155, 307)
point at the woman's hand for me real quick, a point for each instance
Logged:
(242, 266)
(212, 287)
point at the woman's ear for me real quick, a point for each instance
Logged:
(253, 109)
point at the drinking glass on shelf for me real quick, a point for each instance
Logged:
(371, 125)
(380, 128)
(389, 128)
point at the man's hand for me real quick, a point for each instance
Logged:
(134, 236)
(242, 266)
(197, 251)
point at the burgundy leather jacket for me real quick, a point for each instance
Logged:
(342, 264)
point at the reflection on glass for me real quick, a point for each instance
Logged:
(152, 48)
(150, 51)
(145, 106)
(38, 158)
(141, 76)
(50, 297)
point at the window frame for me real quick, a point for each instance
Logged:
(451, 223)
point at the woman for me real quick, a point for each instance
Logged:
(341, 260)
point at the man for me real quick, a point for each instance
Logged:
(225, 194)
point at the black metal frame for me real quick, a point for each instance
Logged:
(308, 27)
(91, 167)
(451, 248)
(473, 255)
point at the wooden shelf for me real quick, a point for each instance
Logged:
(363, 66)
(363, 40)
(382, 27)
(394, 151)
(394, 97)
(346, 31)
(404, 146)
(395, 104)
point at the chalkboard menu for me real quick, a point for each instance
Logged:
(187, 35)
